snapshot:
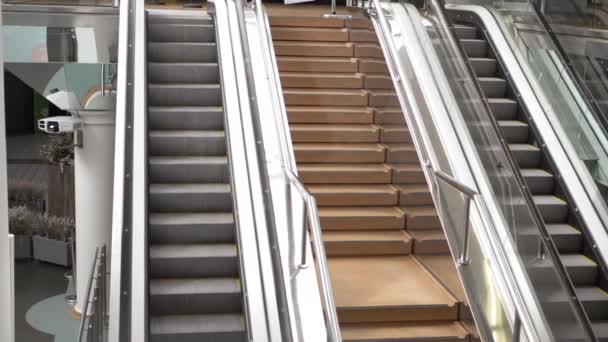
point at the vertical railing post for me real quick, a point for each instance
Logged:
(103, 79)
(464, 254)
(303, 264)
(71, 298)
(516, 328)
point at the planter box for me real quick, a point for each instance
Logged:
(53, 251)
(23, 246)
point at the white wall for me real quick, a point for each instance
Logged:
(6, 315)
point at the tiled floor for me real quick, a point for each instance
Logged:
(34, 283)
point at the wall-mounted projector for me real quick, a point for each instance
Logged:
(59, 124)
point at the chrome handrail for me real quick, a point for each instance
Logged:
(310, 215)
(95, 322)
(436, 7)
(482, 208)
(284, 314)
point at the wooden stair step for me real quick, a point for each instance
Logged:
(354, 194)
(389, 116)
(421, 217)
(388, 288)
(344, 173)
(324, 97)
(401, 153)
(359, 21)
(443, 268)
(367, 50)
(338, 153)
(380, 98)
(330, 115)
(317, 64)
(404, 332)
(395, 134)
(334, 133)
(407, 173)
(431, 241)
(365, 242)
(291, 20)
(373, 66)
(310, 34)
(322, 80)
(414, 194)
(363, 36)
(314, 49)
(361, 218)
(375, 81)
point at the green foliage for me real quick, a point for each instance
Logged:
(23, 221)
(56, 228)
(23, 191)
(59, 150)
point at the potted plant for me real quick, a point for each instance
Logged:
(22, 222)
(59, 154)
(28, 194)
(52, 242)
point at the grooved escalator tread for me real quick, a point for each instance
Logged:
(203, 328)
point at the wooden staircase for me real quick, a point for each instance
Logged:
(391, 272)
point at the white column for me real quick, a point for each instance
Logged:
(94, 171)
(6, 328)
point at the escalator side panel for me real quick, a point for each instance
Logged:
(538, 170)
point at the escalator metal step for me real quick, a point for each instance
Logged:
(184, 118)
(475, 47)
(484, 67)
(198, 328)
(183, 73)
(182, 52)
(188, 169)
(192, 197)
(195, 296)
(193, 261)
(181, 32)
(181, 94)
(192, 228)
(187, 143)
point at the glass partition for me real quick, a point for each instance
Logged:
(72, 64)
(553, 83)
(543, 272)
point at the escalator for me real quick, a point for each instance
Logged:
(194, 280)
(558, 211)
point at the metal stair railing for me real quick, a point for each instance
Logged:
(94, 323)
(310, 225)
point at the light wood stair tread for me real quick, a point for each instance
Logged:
(431, 234)
(367, 242)
(310, 34)
(337, 147)
(331, 91)
(351, 188)
(343, 167)
(442, 266)
(354, 194)
(403, 331)
(333, 128)
(321, 74)
(358, 212)
(366, 235)
(382, 282)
